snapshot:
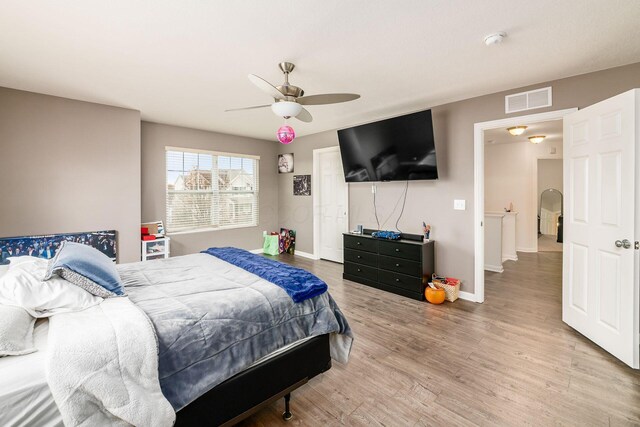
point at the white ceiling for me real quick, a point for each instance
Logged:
(551, 129)
(184, 62)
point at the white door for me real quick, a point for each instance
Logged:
(600, 291)
(332, 204)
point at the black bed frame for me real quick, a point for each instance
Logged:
(245, 393)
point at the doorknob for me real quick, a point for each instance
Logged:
(623, 244)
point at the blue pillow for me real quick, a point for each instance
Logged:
(87, 268)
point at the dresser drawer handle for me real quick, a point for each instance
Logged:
(397, 280)
(397, 250)
(358, 243)
(359, 257)
(359, 270)
(397, 265)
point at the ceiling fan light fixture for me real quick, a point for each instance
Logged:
(286, 108)
(517, 130)
(537, 139)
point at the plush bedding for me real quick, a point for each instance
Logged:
(102, 367)
(214, 320)
(25, 397)
(299, 284)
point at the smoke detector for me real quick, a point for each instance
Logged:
(495, 38)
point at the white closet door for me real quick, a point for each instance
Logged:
(332, 205)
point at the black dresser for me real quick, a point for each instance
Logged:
(392, 265)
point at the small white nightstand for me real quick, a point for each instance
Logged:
(155, 249)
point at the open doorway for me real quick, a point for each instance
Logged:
(550, 205)
(523, 191)
(506, 186)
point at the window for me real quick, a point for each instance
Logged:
(208, 190)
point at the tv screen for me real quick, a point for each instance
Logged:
(397, 149)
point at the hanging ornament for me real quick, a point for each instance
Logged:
(286, 134)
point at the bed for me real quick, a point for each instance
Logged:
(278, 346)
(26, 400)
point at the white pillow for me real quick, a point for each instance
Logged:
(23, 286)
(3, 269)
(16, 331)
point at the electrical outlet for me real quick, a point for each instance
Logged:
(459, 205)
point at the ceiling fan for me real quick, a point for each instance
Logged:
(289, 99)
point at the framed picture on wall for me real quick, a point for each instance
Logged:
(302, 185)
(285, 163)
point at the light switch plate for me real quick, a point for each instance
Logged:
(459, 205)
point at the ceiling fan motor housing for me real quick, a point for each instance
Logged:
(290, 90)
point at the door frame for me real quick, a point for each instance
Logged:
(315, 196)
(478, 191)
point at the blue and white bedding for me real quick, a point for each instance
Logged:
(214, 320)
(188, 324)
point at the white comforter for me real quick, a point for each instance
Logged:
(102, 367)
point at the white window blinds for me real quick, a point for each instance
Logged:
(210, 190)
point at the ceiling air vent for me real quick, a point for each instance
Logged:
(531, 100)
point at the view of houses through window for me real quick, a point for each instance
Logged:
(210, 190)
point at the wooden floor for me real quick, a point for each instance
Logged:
(548, 243)
(510, 361)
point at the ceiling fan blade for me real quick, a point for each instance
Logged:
(327, 98)
(248, 108)
(304, 116)
(265, 86)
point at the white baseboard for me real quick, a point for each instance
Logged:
(526, 250)
(298, 253)
(305, 255)
(510, 258)
(467, 296)
(494, 268)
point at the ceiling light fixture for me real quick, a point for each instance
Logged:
(537, 139)
(495, 38)
(517, 130)
(286, 108)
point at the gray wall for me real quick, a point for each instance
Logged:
(432, 201)
(549, 176)
(69, 166)
(155, 137)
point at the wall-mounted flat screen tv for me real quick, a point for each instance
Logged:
(397, 149)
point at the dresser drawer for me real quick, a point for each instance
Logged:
(360, 257)
(401, 250)
(361, 243)
(413, 284)
(360, 270)
(400, 265)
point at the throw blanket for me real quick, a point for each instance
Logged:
(298, 283)
(102, 367)
(214, 320)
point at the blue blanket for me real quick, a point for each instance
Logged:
(299, 284)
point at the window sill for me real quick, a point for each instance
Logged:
(209, 230)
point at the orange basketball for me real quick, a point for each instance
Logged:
(434, 296)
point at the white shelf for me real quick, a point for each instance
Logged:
(155, 249)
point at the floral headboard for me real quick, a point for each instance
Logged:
(46, 246)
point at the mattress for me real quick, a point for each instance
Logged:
(25, 398)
